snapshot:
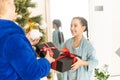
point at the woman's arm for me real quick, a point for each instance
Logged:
(22, 59)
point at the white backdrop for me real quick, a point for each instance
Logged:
(105, 31)
(65, 10)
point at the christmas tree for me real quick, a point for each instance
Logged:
(24, 18)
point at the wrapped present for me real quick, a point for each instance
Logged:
(63, 62)
(41, 49)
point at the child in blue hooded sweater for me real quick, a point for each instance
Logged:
(17, 57)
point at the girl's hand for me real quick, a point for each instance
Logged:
(77, 64)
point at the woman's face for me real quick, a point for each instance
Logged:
(76, 27)
(54, 26)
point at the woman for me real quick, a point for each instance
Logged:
(58, 38)
(79, 45)
(17, 57)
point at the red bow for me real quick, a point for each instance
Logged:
(66, 53)
(48, 48)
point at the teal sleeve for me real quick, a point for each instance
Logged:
(55, 39)
(91, 58)
(22, 59)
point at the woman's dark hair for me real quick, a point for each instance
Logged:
(60, 37)
(84, 23)
(57, 22)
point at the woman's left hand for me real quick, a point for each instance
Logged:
(77, 64)
(33, 42)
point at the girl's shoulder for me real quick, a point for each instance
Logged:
(87, 43)
(68, 42)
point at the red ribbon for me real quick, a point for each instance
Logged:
(48, 48)
(66, 53)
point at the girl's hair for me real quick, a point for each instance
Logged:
(57, 22)
(84, 23)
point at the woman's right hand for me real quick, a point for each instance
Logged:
(33, 42)
(49, 58)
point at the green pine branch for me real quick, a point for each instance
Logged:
(23, 12)
(23, 16)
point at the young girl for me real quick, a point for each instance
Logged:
(79, 45)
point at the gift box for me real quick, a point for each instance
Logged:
(63, 62)
(41, 49)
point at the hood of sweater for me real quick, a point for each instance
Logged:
(8, 28)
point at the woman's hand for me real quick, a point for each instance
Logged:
(33, 42)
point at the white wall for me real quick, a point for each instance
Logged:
(115, 62)
(104, 31)
(65, 10)
(39, 9)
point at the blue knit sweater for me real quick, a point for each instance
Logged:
(17, 58)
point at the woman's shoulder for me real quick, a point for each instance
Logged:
(55, 31)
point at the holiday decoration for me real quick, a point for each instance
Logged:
(26, 21)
